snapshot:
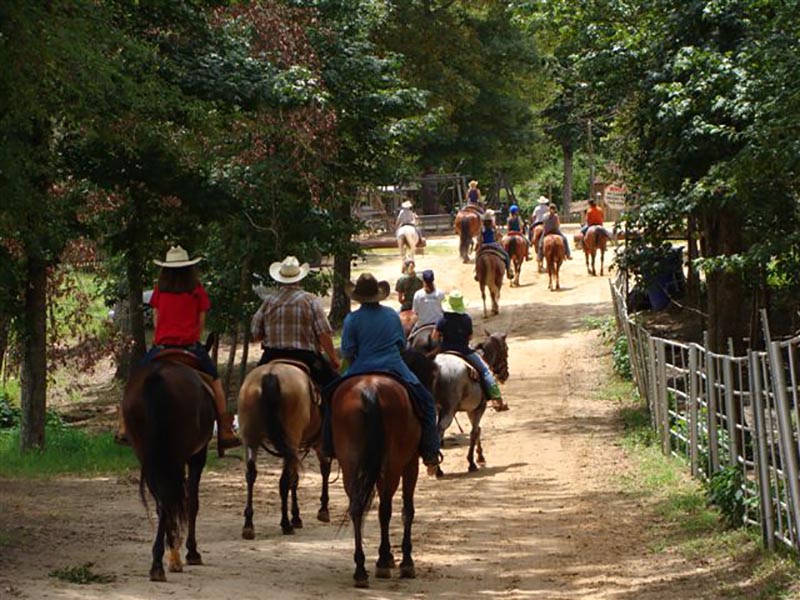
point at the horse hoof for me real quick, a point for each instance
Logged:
(157, 574)
(323, 515)
(175, 568)
(472, 468)
(481, 460)
(248, 533)
(287, 529)
(439, 473)
(383, 573)
(408, 572)
(361, 581)
(297, 523)
(195, 559)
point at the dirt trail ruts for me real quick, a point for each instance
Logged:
(545, 518)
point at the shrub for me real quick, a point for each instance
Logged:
(9, 414)
(620, 359)
(725, 491)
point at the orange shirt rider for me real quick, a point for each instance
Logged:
(594, 216)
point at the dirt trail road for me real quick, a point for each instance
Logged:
(545, 518)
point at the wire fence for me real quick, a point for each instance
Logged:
(721, 410)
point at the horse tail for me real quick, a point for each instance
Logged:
(512, 246)
(465, 239)
(369, 467)
(271, 409)
(163, 472)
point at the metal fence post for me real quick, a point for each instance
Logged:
(786, 437)
(730, 411)
(691, 421)
(652, 390)
(761, 456)
(711, 412)
(663, 396)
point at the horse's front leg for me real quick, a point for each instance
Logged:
(409, 485)
(297, 522)
(196, 465)
(325, 470)
(483, 297)
(385, 563)
(602, 259)
(588, 266)
(157, 568)
(474, 436)
(248, 531)
(284, 485)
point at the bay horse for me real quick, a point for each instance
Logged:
(468, 226)
(277, 406)
(407, 240)
(490, 270)
(458, 388)
(594, 240)
(169, 418)
(535, 234)
(517, 248)
(376, 436)
(554, 255)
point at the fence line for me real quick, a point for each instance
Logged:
(721, 410)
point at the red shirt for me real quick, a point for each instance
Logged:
(594, 216)
(178, 321)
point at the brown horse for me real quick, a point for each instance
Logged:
(490, 269)
(408, 318)
(594, 240)
(277, 407)
(468, 226)
(517, 248)
(169, 419)
(554, 254)
(535, 235)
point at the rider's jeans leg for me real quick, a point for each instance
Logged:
(429, 442)
(540, 249)
(489, 382)
(584, 229)
(566, 244)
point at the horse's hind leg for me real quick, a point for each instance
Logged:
(297, 522)
(157, 568)
(409, 485)
(248, 531)
(474, 436)
(284, 484)
(602, 259)
(475, 419)
(360, 576)
(325, 470)
(174, 564)
(196, 465)
(385, 557)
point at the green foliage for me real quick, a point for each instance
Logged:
(82, 575)
(725, 491)
(620, 359)
(9, 414)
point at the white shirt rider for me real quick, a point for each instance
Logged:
(428, 306)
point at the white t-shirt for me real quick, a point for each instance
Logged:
(540, 212)
(428, 306)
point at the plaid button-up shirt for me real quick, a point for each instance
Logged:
(290, 318)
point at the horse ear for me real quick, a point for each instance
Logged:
(486, 332)
(211, 340)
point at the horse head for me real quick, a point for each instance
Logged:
(423, 366)
(495, 352)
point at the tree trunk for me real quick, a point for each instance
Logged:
(692, 280)
(33, 379)
(138, 347)
(5, 322)
(340, 302)
(567, 192)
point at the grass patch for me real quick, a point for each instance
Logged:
(82, 575)
(67, 451)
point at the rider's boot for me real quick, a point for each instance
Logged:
(226, 436)
(496, 397)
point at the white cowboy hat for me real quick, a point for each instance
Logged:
(406, 204)
(488, 215)
(288, 271)
(455, 302)
(543, 200)
(177, 257)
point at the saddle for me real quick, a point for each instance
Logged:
(316, 394)
(501, 254)
(184, 357)
(471, 371)
(472, 208)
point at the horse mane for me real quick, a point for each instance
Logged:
(423, 366)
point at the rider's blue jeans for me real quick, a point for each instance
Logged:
(490, 383)
(585, 228)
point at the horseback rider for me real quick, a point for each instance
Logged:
(540, 212)
(552, 225)
(180, 304)
(407, 216)
(474, 195)
(427, 303)
(372, 339)
(454, 330)
(594, 216)
(407, 285)
(515, 225)
(488, 240)
(291, 324)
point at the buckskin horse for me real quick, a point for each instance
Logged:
(458, 388)
(490, 270)
(376, 436)
(554, 254)
(277, 406)
(535, 233)
(169, 419)
(594, 240)
(407, 240)
(517, 248)
(468, 226)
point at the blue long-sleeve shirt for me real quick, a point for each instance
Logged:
(372, 338)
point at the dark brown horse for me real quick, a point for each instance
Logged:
(490, 269)
(468, 226)
(277, 407)
(517, 248)
(535, 235)
(554, 254)
(594, 240)
(169, 419)
(376, 437)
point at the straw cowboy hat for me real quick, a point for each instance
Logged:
(406, 204)
(473, 183)
(455, 303)
(543, 200)
(488, 215)
(288, 271)
(177, 257)
(367, 289)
